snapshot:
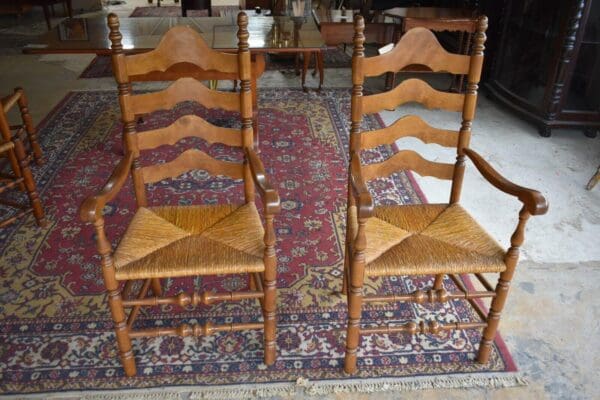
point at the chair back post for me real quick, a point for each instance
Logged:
(358, 78)
(469, 107)
(127, 115)
(245, 75)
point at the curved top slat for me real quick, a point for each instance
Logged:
(413, 126)
(188, 126)
(189, 160)
(417, 46)
(408, 160)
(184, 89)
(413, 90)
(181, 44)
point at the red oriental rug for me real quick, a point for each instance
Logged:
(55, 328)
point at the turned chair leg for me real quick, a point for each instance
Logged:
(29, 127)
(270, 293)
(493, 319)
(355, 296)
(156, 287)
(36, 204)
(438, 283)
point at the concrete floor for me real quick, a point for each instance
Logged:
(551, 320)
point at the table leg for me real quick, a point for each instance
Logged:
(321, 67)
(306, 55)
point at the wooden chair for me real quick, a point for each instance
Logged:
(26, 127)
(21, 177)
(178, 241)
(427, 239)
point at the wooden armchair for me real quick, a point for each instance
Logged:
(177, 241)
(427, 239)
(13, 149)
(21, 177)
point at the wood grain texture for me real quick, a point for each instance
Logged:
(270, 197)
(418, 46)
(407, 160)
(409, 126)
(184, 89)
(91, 208)
(189, 126)
(533, 200)
(412, 90)
(189, 160)
(181, 44)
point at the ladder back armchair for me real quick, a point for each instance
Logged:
(179, 241)
(426, 239)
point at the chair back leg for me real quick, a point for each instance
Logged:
(29, 126)
(34, 199)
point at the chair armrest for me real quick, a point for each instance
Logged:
(360, 192)
(269, 195)
(91, 208)
(533, 200)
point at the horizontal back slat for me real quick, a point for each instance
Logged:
(189, 126)
(418, 46)
(189, 160)
(409, 126)
(184, 89)
(408, 160)
(412, 90)
(181, 44)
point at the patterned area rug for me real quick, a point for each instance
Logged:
(55, 328)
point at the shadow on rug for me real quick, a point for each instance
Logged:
(55, 329)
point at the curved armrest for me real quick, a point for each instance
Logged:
(363, 198)
(269, 195)
(533, 200)
(91, 208)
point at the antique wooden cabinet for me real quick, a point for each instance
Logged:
(546, 64)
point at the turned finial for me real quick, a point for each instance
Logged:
(243, 34)
(115, 35)
(479, 40)
(359, 37)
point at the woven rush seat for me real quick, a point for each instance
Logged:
(176, 241)
(427, 239)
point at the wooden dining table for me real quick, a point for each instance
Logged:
(267, 35)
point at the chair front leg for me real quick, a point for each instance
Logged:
(355, 297)
(270, 293)
(115, 301)
(502, 287)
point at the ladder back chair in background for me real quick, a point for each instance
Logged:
(178, 241)
(425, 239)
(13, 149)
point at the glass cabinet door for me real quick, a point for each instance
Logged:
(530, 45)
(584, 89)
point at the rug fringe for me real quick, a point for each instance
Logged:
(321, 388)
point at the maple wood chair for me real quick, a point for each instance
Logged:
(21, 177)
(427, 239)
(25, 128)
(178, 241)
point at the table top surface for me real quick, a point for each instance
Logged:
(267, 34)
(323, 16)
